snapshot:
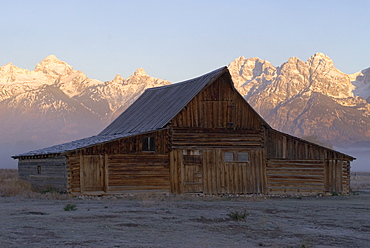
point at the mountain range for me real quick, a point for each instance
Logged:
(307, 99)
(55, 103)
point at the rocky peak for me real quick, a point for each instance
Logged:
(293, 66)
(54, 67)
(320, 60)
(293, 60)
(140, 72)
(242, 69)
(8, 65)
(52, 57)
(118, 78)
(9, 73)
(9, 68)
(139, 77)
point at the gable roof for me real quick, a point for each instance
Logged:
(150, 112)
(157, 106)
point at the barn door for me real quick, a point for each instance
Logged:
(333, 175)
(192, 171)
(92, 176)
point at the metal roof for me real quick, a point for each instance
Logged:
(157, 106)
(73, 145)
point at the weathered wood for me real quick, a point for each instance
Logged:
(295, 176)
(44, 173)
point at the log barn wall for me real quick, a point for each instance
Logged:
(298, 166)
(44, 173)
(119, 166)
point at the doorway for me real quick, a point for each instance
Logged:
(192, 171)
(92, 176)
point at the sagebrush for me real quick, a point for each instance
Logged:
(70, 207)
(238, 215)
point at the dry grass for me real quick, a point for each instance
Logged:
(360, 181)
(12, 185)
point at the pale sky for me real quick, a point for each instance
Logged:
(178, 40)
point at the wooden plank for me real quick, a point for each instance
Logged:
(243, 178)
(213, 168)
(222, 175)
(82, 187)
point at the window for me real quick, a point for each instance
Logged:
(191, 152)
(148, 144)
(243, 157)
(39, 169)
(236, 157)
(228, 156)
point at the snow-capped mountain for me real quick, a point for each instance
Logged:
(307, 98)
(55, 103)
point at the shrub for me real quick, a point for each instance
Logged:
(70, 207)
(238, 215)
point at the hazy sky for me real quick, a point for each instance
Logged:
(178, 40)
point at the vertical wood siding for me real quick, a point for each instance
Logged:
(218, 106)
(281, 146)
(337, 176)
(217, 176)
(92, 167)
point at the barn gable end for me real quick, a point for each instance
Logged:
(218, 122)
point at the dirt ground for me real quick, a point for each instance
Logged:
(186, 221)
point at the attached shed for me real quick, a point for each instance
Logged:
(197, 136)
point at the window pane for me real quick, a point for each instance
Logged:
(145, 143)
(148, 143)
(243, 157)
(228, 156)
(152, 144)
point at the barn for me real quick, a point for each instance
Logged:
(196, 136)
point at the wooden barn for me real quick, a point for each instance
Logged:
(197, 136)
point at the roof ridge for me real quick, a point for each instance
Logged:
(187, 81)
